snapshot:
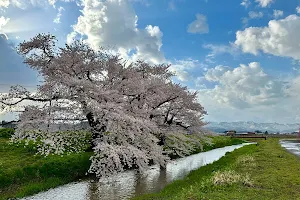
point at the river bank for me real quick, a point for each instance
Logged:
(265, 171)
(23, 174)
(129, 184)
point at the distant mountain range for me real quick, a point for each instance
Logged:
(220, 127)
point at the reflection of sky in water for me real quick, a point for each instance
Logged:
(292, 146)
(130, 183)
(75, 191)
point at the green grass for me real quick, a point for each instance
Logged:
(266, 171)
(6, 132)
(22, 173)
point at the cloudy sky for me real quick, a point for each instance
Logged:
(243, 56)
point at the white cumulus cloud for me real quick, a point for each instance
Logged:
(277, 13)
(280, 38)
(264, 3)
(298, 9)
(58, 16)
(199, 25)
(114, 23)
(216, 50)
(243, 87)
(3, 22)
(246, 3)
(252, 15)
(255, 15)
(4, 3)
(182, 68)
(24, 4)
(248, 93)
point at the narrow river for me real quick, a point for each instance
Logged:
(292, 146)
(129, 184)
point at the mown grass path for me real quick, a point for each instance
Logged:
(266, 171)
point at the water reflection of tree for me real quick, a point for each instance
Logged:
(120, 186)
(162, 180)
(153, 181)
(93, 193)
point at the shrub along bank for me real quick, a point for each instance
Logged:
(6, 132)
(266, 171)
(23, 173)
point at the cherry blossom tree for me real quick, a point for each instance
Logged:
(136, 114)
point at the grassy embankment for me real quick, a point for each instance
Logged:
(22, 173)
(266, 171)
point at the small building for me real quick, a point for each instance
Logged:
(231, 133)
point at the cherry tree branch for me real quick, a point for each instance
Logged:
(165, 101)
(10, 122)
(30, 99)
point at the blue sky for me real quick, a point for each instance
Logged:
(243, 56)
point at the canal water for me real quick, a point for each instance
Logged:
(130, 183)
(292, 146)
